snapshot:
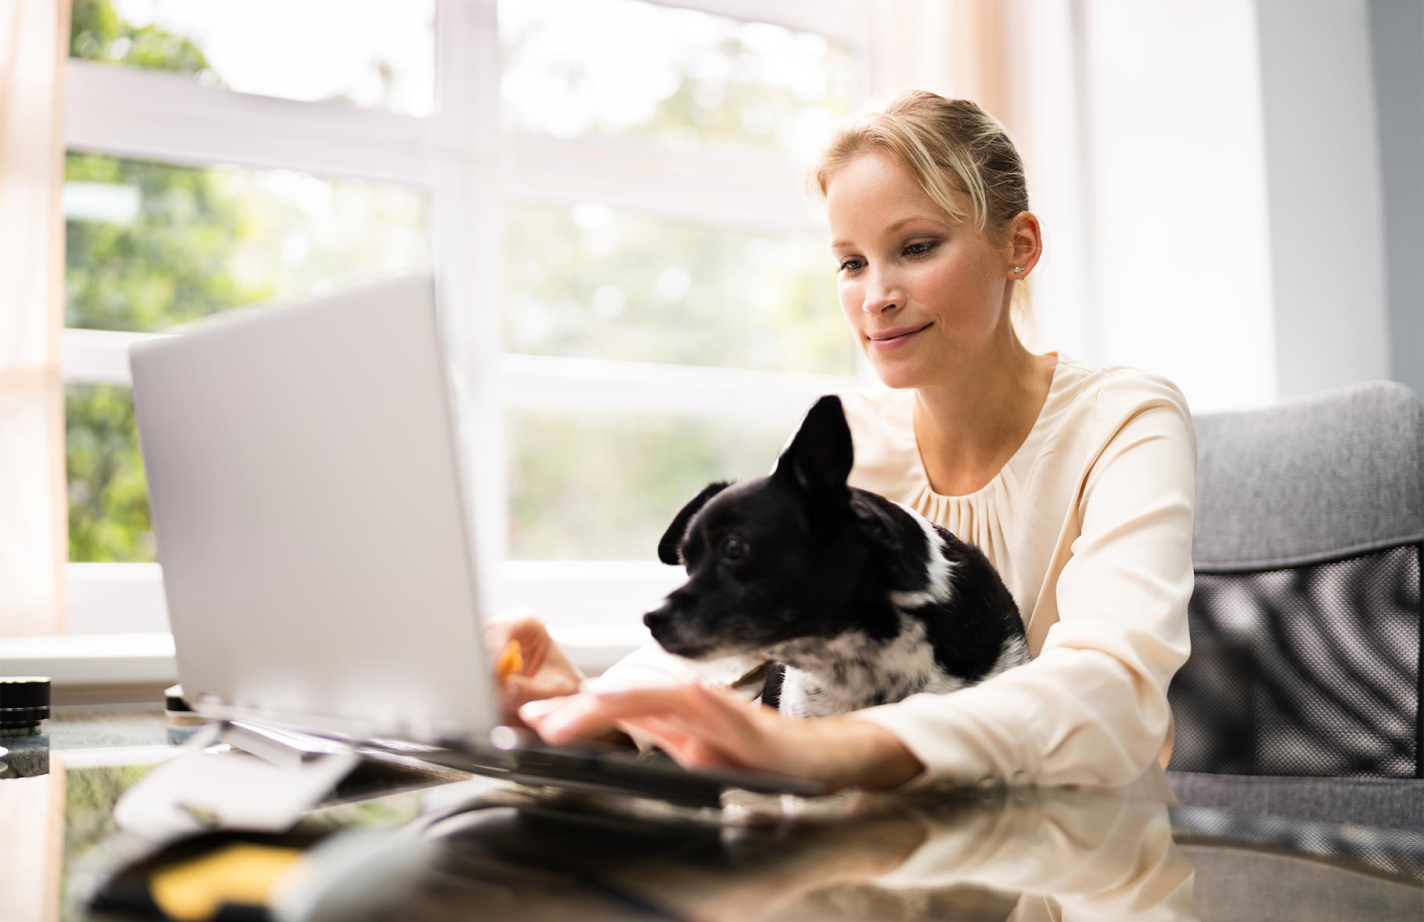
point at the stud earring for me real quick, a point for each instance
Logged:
(1018, 268)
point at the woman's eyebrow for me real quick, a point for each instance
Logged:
(892, 228)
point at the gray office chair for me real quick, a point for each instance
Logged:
(1306, 619)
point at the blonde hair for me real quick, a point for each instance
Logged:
(954, 150)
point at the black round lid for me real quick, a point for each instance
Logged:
(173, 699)
(24, 701)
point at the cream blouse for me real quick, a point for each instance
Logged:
(1090, 525)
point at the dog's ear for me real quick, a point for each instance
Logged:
(672, 538)
(820, 455)
(880, 522)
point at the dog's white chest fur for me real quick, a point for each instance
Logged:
(850, 672)
(846, 673)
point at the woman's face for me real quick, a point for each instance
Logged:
(923, 292)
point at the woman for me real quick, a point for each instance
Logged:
(1076, 481)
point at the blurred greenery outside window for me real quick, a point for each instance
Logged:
(108, 495)
(594, 282)
(676, 77)
(153, 245)
(605, 487)
(376, 56)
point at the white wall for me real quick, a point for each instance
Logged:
(1174, 148)
(1208, 171)
(1044, 113)
(1397, 43)
(1324, 194)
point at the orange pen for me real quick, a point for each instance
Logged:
(510, 662)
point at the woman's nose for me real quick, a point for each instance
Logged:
(881, 295)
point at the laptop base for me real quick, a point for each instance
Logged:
(588, 768)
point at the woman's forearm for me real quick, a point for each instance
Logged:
(862, 754)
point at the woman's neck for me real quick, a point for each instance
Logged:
(969, 424)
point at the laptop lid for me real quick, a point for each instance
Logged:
(305, 486)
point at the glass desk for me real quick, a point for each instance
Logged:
(415, 845)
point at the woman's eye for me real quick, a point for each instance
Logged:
(920, 249)
(734, 549)
(850, 265)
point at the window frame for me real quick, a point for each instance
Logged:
(471, 170)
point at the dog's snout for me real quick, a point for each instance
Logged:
(657, 618)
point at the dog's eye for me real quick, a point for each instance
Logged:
(734, 549)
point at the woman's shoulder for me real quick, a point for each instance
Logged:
(1117, 404)
(1115, 393)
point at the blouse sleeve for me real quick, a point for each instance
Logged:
(1092, 707)
(1095, 856)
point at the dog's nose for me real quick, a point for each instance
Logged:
(656, 618)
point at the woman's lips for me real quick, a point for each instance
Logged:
(888, 343)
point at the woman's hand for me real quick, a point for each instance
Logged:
(546, 671)
(706, 728)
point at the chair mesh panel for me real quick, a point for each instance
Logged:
(1306, 671)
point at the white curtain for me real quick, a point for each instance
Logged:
(33, 531)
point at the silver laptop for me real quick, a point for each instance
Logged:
(307, 495)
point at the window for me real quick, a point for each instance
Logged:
(614, 185)
(597, 282)
(150, 246)
(678, 77)
(604, 486)
(374, 55)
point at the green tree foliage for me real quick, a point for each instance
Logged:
(108, 495)
(166, 266)
(98, 33)
(171, 264)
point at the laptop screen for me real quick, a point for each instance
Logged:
(306, 492)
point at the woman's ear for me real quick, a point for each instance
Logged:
(669, 546)
(1025, 244)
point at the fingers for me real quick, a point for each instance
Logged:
(725, 729)
(693, 741)
(519, 690)
(706, 728)
(519, 624)
(591, 715)
(567, 719)
(686, 749)
(542, 659)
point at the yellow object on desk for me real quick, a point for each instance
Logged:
(510, 662)
(238, 875)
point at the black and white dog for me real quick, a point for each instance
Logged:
(860, 600)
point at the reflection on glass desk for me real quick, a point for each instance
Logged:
(400, 843)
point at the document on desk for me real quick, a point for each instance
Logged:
(228, 790)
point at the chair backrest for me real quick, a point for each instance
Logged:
(1305, 622)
